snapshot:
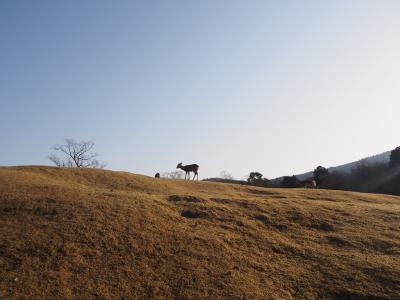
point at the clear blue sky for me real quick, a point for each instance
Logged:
(274, 86)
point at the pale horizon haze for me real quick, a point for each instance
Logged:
(278, 87)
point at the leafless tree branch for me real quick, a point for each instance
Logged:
(78, 154)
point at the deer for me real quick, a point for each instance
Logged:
(312, 184)
(189, 168)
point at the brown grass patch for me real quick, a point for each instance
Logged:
(95, 234)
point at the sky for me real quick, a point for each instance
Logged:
(278, 87)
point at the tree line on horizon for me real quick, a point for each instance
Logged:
(381, 178)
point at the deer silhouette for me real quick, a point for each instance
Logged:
(311, 184)
(189, 168)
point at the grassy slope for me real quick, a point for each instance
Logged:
(68, 233)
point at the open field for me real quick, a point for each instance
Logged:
(95, 234)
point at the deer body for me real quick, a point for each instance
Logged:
(189, 168)
(309, 184)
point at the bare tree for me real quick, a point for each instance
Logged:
(77, 154)
(173, 175)
(225, 175)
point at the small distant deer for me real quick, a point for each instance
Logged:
(157, 175)
(189, 168)
(312, 184)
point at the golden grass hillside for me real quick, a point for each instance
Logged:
(95, 234)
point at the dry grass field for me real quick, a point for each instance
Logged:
(95, 234)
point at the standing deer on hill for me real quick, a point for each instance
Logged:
(189, 168)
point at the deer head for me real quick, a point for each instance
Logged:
(179, 165)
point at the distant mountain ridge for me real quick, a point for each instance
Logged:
(346, 168)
